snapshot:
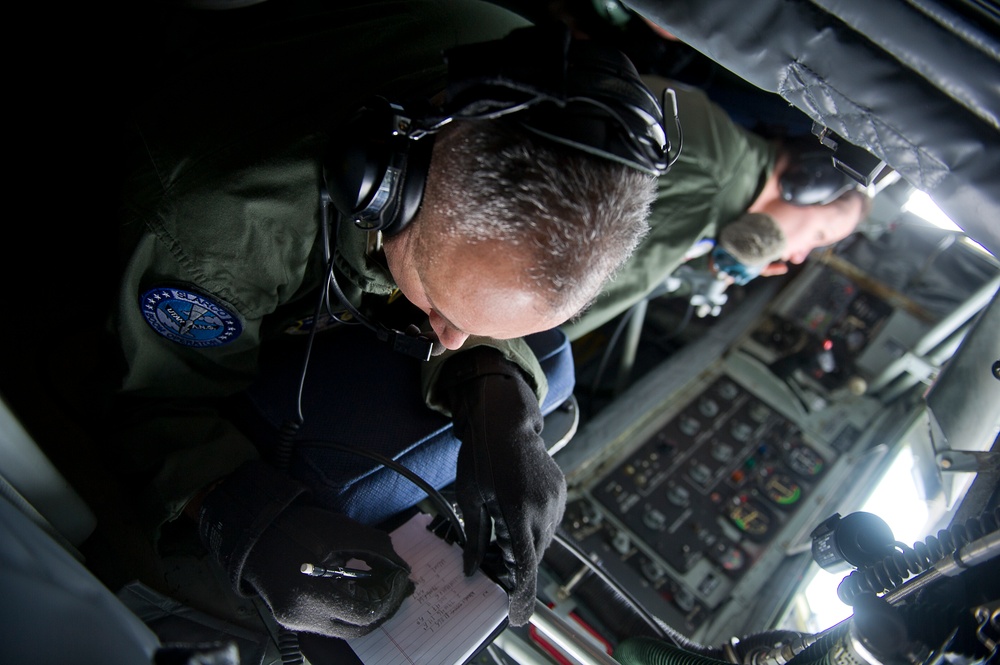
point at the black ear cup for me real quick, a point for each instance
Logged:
(411, 195)
(577, 93)
(375, 173)
(813, 179)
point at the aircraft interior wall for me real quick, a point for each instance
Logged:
(699, 482)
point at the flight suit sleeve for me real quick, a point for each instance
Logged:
(224, 207)
(515, 350)
(719, 172)
(190, 307)
(167, 420)
(184, 447)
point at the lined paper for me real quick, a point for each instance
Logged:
(448, 616)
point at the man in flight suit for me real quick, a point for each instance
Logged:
(513, 231)
(725, 188)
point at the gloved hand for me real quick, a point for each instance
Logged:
(259, 529)
(504, 470)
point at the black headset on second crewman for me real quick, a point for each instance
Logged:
(812, 178)
(580, 94)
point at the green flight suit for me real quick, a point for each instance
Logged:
(225, 206)
(721, 170)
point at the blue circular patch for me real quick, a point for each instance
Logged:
(188, 318)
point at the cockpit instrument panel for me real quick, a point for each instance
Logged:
(694, 506)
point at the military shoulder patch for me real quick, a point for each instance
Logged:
(188, 318)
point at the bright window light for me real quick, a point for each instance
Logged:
(920, 204)
(896, 501)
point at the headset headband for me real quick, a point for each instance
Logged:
(578, 93)
(813, 178)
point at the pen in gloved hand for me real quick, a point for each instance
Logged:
(319, 571)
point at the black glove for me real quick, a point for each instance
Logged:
(504, 470)
(258, 528)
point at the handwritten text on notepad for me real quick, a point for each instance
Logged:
(448, 616)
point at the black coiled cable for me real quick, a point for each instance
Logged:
(890, 572)
(288, 647)
(281, 454)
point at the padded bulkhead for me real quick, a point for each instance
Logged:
(914, 82)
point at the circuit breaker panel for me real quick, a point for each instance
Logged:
(713, 473)
(715, 483)
(689, 513)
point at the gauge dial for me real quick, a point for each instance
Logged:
(729, 557)
(758, 412)
(728, 390)
(708, 407)
(741, 431)
(722, 451)
(781, 488)
(805, 461)
(689, 425)
(750, 518)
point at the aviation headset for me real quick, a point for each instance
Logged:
(812, 178)
(580, 94)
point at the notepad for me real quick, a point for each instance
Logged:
(448, 617)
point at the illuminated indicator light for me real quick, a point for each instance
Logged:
(827, 345)
(791, 498)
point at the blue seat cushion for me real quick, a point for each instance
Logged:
(358, 392)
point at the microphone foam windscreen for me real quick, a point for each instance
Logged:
(753, 239)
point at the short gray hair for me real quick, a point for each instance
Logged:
(580, 216)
